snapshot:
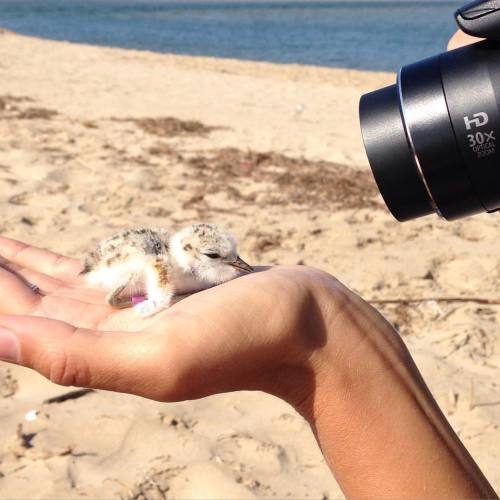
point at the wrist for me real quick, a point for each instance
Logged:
(357, 342)
(328, 336)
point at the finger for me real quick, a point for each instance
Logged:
(16, 297)
(38, 259)
(48, 285)
(30, 277)
(123, 362)
(460, 39)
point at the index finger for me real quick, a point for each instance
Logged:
(39, 259)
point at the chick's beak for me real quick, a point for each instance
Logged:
(241, 264)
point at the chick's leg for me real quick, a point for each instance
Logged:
(114, 300)
(158, 291)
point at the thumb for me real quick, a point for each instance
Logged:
(66, 355)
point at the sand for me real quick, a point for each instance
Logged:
(96, 139)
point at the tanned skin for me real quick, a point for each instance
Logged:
(313, 343)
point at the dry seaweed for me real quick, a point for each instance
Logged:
(8, 384)
(36, 114)
(8, 102)
(11, 108)
(296, 180)
(170, 127)
(155, 485)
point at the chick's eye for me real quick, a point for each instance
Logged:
(212, 255)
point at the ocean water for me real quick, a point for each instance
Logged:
(370, 35)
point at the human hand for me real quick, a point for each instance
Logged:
(294, 332)
(244, 334)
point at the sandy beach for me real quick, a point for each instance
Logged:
(96, 139)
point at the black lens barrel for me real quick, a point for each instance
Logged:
(390, 155)
(471, 81)
(425, 112)
(431, 139)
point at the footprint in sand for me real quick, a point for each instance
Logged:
(259, 457)
(467, 274)
(476, 230)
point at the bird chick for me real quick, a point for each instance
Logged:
(161, 265)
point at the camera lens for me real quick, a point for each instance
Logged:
(431, 138)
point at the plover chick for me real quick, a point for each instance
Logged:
(161, 265)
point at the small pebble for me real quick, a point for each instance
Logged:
(31, 415)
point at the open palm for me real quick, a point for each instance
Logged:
(234, 336)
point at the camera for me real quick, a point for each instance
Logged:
(433, 138)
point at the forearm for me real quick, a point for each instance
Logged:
(294, 332)
(379, 427)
